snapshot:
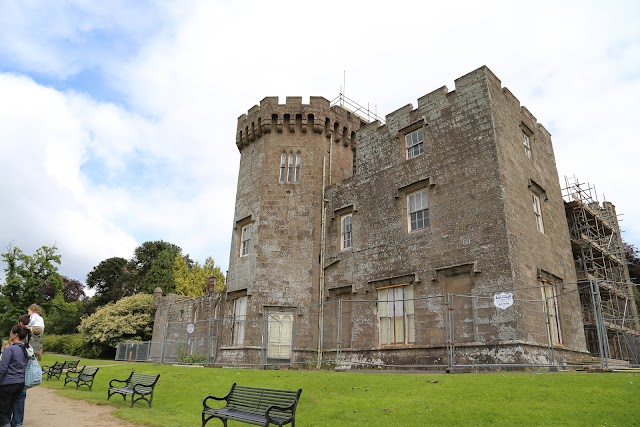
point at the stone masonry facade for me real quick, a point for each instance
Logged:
(386, 243)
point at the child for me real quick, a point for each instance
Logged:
(36, 324)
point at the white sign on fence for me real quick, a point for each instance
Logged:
(503, 300)
(190, 328)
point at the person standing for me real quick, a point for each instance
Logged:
(17, 417)
(36, 324)
(12, 366)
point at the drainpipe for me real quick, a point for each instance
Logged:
(323, 219)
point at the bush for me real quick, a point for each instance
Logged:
(184, 357)
(54, 343)
(128, 319)
(71, 345)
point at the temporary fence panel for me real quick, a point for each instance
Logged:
(133, 351)
(187, 342)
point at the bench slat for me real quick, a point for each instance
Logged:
(84, 376)
(136, 385)
(250, 405)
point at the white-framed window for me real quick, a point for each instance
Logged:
(239, 320)
(245, 240)
(550, 295)
(537, 212)
(396, 315)
(414, 142)
(298, 166)
(526, 141)
(346, 230)
(290, 167)
(283, 166)
(418, 210)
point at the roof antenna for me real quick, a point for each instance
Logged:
(344, 85)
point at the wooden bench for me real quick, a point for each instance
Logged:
(257, 406)
(56, 369)
(136, 384)
(84, 376)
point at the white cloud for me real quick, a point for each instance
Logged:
(160, 162)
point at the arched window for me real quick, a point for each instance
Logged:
(283, 160)
(298, 165)
(290, 168)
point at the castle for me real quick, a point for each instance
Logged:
(438, 238)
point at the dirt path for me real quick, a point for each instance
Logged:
(44, 408)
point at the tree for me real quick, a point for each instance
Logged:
(64, 317)
(152, 266)
(128, 319)
(110, 280)
(193, 281)
(210, 269)
(183, 277)
(73, 290)
(160, 274)
(29, 279)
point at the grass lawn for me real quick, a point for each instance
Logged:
(383, 399)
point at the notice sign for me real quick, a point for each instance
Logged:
(503, 300)
(190, 328)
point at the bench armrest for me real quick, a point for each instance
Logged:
(55, 365)
(116, 381)
(136, 385)
(204, 402)
(289, 408)
(73, 374)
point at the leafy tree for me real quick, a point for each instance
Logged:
(73, 290)
(183, 277)
(64, 317)
(193, 281)
(210, 269)
(89, 306)
(128, 319)
(110, 280)
(152, 266)
(160, 274)
(29, 279)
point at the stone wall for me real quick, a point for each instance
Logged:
(481, 237)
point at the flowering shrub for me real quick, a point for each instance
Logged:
(128, 319)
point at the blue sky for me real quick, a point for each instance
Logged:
(117, 120)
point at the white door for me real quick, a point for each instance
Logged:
(279, 335)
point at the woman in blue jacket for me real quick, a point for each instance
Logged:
(12, 365)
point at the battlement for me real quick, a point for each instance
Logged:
(442, 98)
(317, 117)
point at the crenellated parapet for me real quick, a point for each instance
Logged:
(439, 100)
(317, 117)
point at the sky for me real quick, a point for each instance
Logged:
(118, 118)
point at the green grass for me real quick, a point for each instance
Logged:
(374, 399)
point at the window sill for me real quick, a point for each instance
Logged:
(394, 346)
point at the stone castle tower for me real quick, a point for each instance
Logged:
(289, 153)
(390, 249)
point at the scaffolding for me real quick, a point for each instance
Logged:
(351, 105)
(609, 312)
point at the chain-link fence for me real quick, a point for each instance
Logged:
(541, 326)
(133, 351)
(199, 343)
(186, 342)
